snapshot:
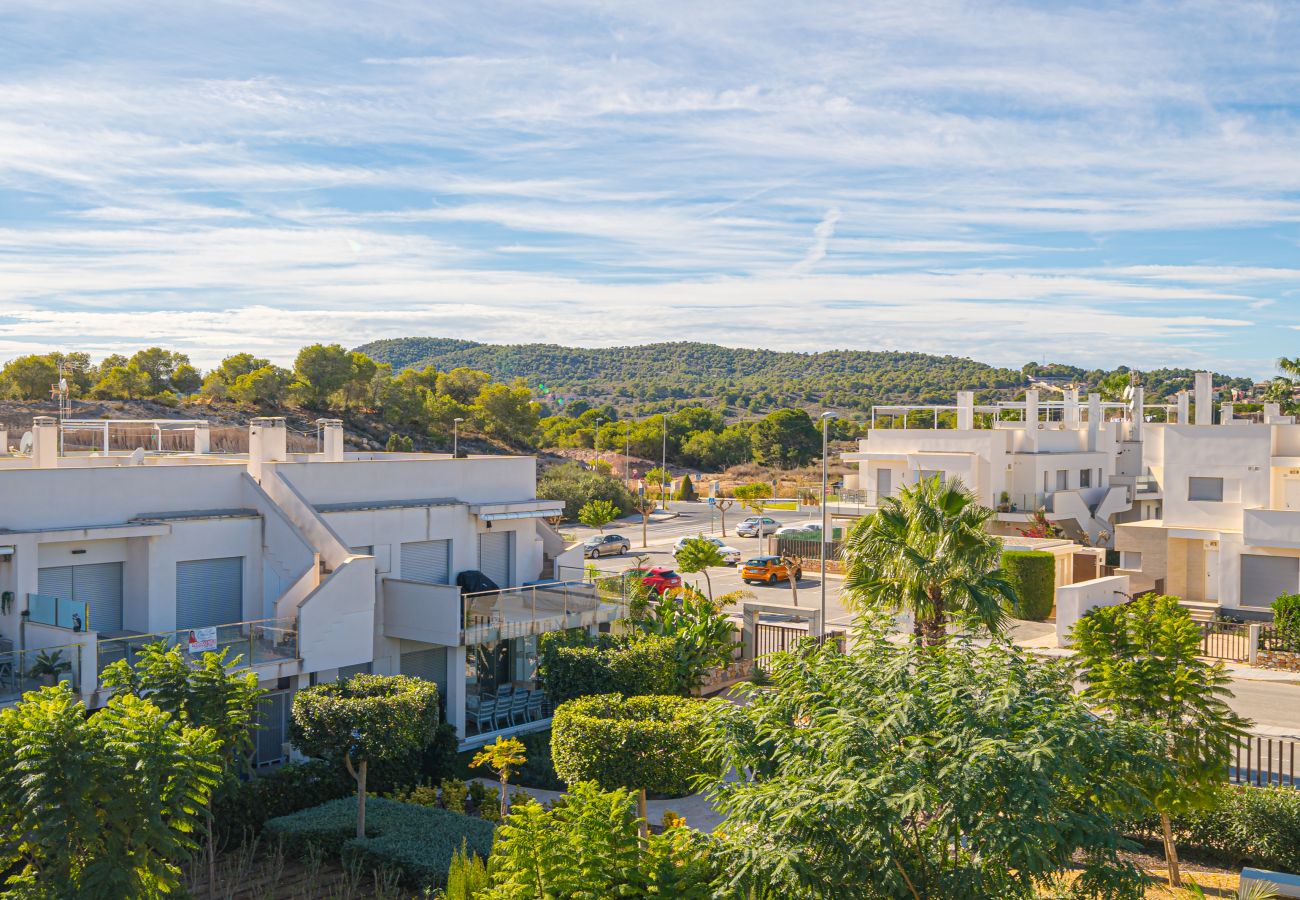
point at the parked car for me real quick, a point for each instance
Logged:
(605, 545)
(660, 579)
(767, 569)
(756, 526)
(730, 555)
(802, 531)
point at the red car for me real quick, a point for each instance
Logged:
(660, 579)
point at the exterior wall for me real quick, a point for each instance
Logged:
(1152, 541)
(1073, 601)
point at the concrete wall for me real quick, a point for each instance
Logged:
(1152, 541)
(1073, 601)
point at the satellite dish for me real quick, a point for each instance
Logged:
(137, 456)
(25, 445)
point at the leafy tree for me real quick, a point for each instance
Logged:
(591, 846)
(506, 412)
(715, 451)
(267, 386)
(102, 805)
(29, 377)
(699, 555)
(122, 383)
(687, 490)
(597, 514)
(926, 552)
(462, 384)
(786, 438)
(399, 443)
(703, 635)
(442, 411)
(186, 379)
(662, 479)
(577, 486)
(368, 718)
(962, 772)
(158, 365)
(239, 364)
(1140, 662)
(77, 369)
(503, 756)
(215, 387)
(357, 387)
(321, 370)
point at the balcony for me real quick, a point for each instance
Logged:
(1271, 528)
(254, 643)
(29, 670)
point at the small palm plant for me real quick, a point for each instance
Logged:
(505, 756)
(49, 666)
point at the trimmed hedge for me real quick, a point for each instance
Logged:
(629, 742)
(243, 811)
(1032, 574)
(572, 667)
(1257, 826)
(417, 842)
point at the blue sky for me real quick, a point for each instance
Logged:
(1095, 183)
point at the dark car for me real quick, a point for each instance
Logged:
(605, 545)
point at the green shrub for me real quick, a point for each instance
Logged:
(1032, 574)
(630, 742)
(578, 486)
(431, 764)
(1244, 825)
(687, 490)
(241, 813)
(467, 877)
(1286, 620)
(418, 842)
(579, 667)
(453, 795)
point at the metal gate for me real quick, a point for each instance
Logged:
(428, 562)
(100, 584)
(1265, 761)
(770, 639)
(496, 556)
(209, 592)
(1225, 640)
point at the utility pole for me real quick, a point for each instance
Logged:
(663, 487)
(455, 438)
(826, 421)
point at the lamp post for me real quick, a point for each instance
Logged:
(627, 452)
(663, 465)
(455, 438)
(596, 440)
(826, 421)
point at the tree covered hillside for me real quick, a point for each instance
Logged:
(650, 377)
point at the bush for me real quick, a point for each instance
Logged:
(418, 842)
(687, 490)
(578, 486)
(432, 764)
(573, 666)
(241, 813)
(1245, 825)
(1032, 574)
(631, 742)
(1286, 620)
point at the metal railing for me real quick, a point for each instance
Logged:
(539, 606)
(1146, 484)
(769, 639)
(47, 609)
(1273, 639)
(1261, 761)
(28, 670)
(1225, 640)
(808, 551)
(254, 642)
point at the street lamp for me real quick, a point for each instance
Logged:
(663, 465)
(826, 421)
(599, 422)
(455, 438)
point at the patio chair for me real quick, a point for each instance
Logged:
(485, 713)
(519, 706)
(534, 705)
(505, 690)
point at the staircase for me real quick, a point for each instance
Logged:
(1201, 611)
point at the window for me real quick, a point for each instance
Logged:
(1062, 479)
(1208, 490)
(1130, 559)
(927, 474)
(1085, 478)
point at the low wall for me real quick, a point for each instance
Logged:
(1278, 659)
(1074, 600)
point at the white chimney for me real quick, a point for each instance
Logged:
(45, 442)
(1072, 408)
(1272, 411)
(1137, 412)
(1204, 398)
(965, 410)
(202, 438)
(1225, 413)
(4, 442)
(1184, 408)
(1094, 420)
(267, 442)
(331, 439)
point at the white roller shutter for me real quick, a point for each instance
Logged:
(99, 584)
(429, 665)
(209, 592)
(428, 562)
(272, 728)
(496, 556)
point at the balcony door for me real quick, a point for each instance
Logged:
(1291, 492)
(496, 556)
(209, 592)
(99, 584)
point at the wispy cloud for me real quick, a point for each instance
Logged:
(1102, 183)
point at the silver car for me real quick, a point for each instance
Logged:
(757, 526)
(599, 545)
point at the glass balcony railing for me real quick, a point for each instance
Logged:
(29, 670)
(254, 643)
(47, 609)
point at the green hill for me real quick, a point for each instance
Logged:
(652, 377)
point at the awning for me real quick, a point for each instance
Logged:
(517, 509)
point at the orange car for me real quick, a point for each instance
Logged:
(767, 568)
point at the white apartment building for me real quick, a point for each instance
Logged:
(310, 565)
(1081, 463)
(1229, 531)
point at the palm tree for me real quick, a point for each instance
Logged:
(699, 554)
(925, 551)
(1289, 366)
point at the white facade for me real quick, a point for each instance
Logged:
(295, 559)
(1076, 461)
